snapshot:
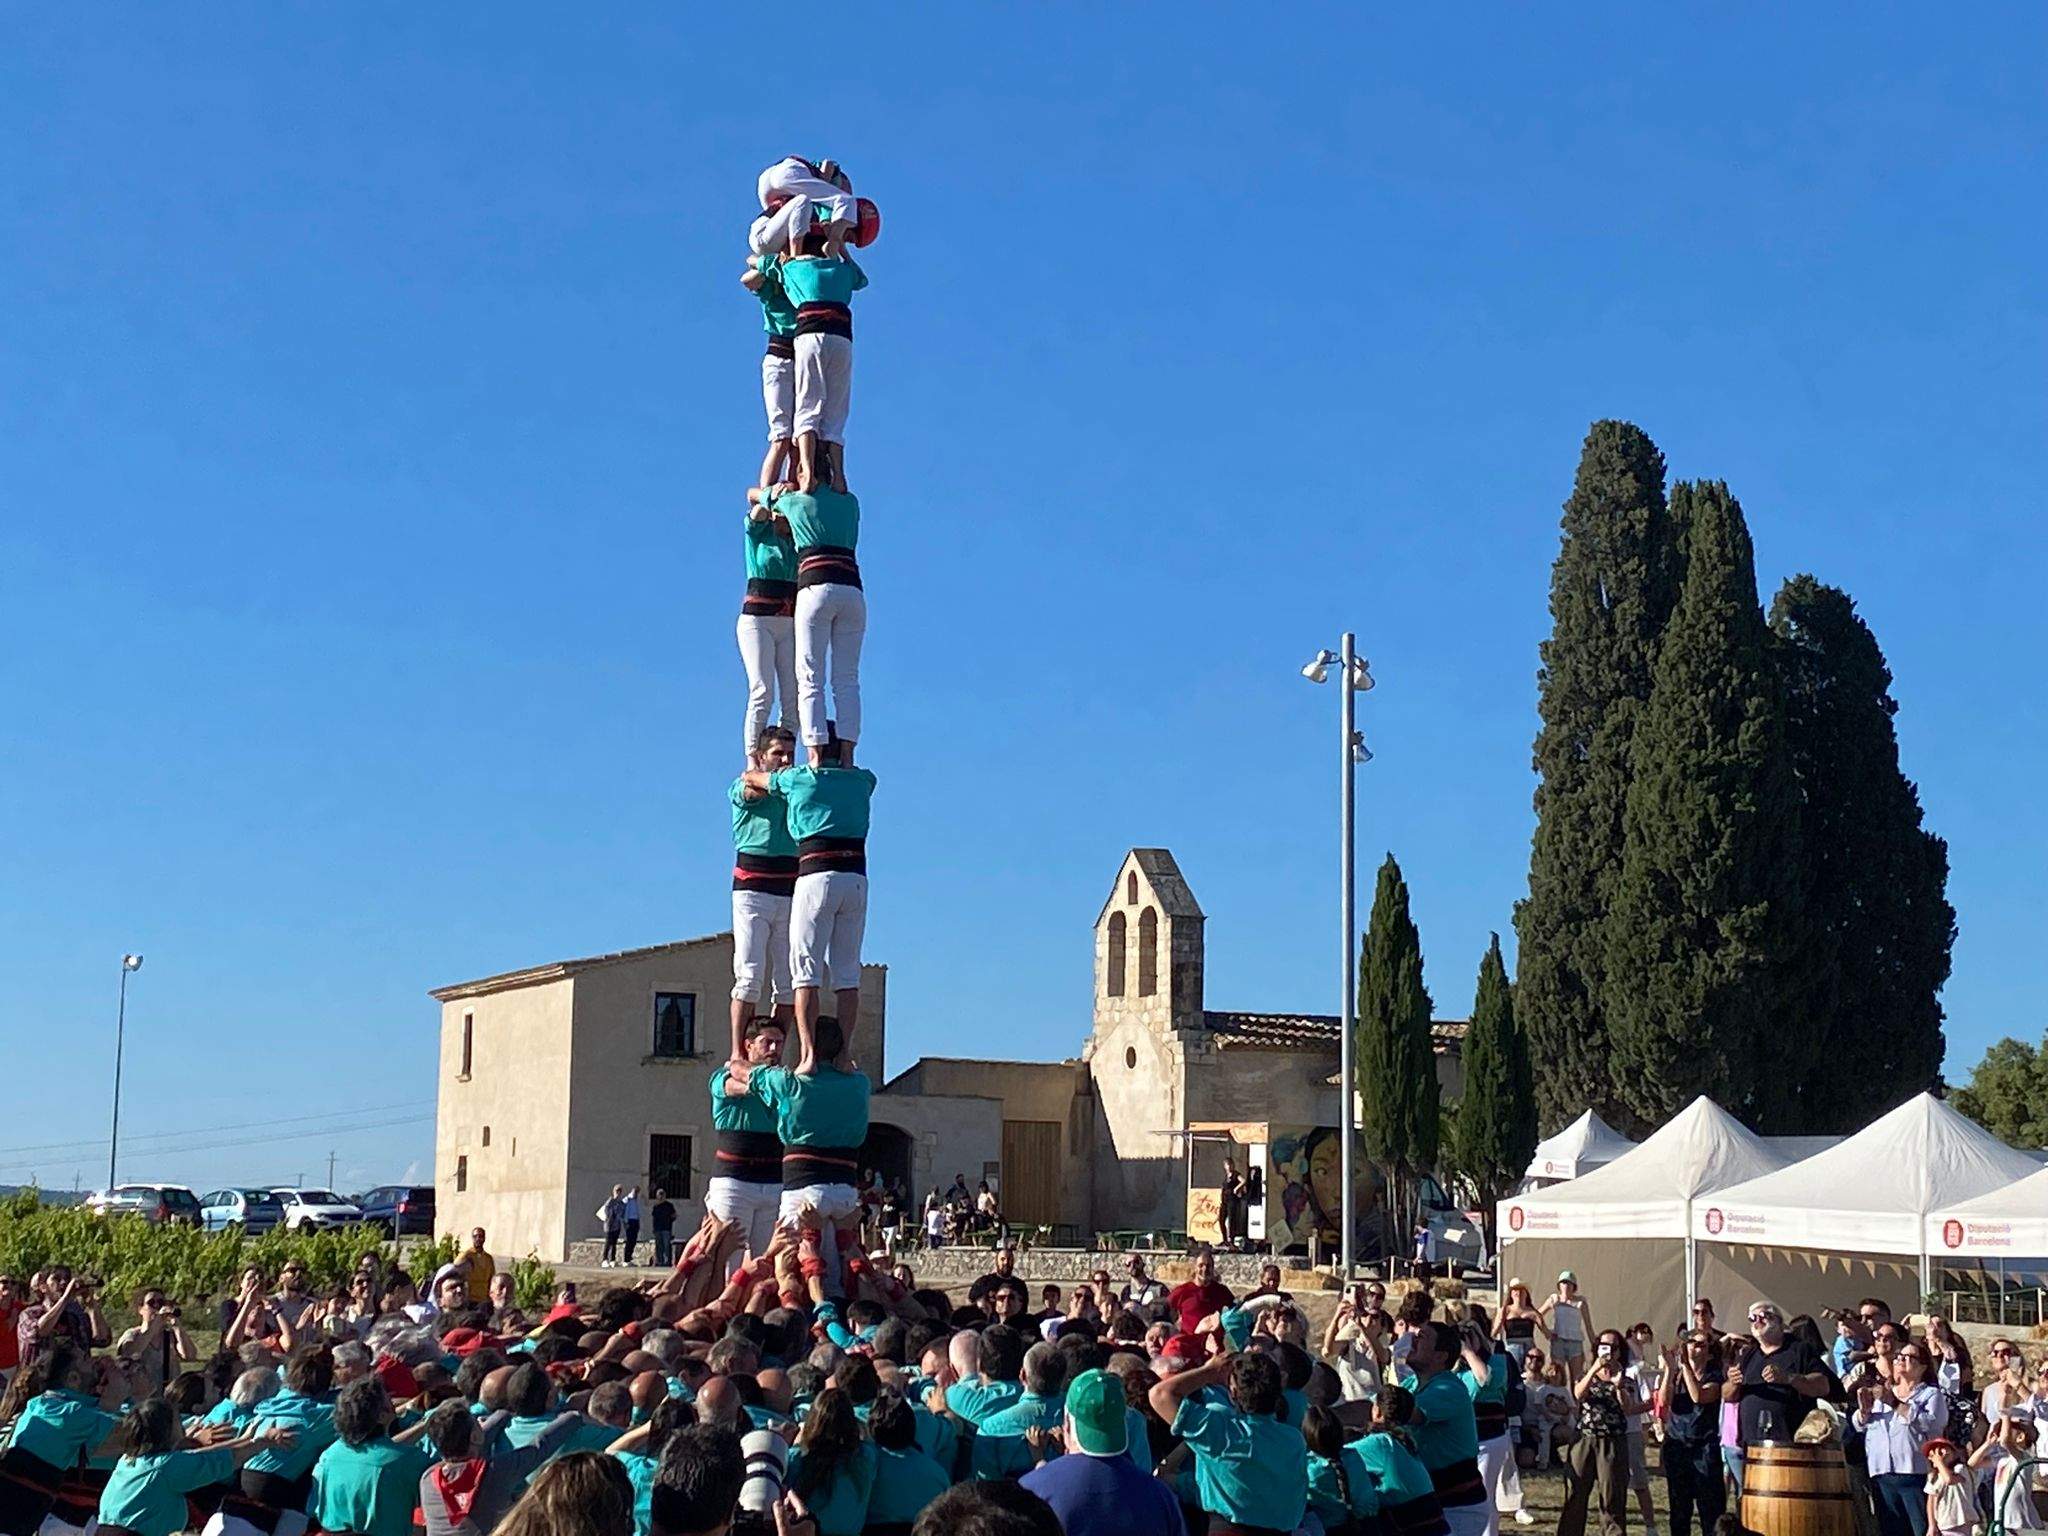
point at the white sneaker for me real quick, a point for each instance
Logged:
(1523, 1517)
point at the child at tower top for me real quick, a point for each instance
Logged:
(821, 287)
(795, 194)
(778, 366)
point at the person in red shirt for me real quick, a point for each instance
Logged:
(11, 1303)
(1193, 1300)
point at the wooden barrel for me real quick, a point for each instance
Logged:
(1796, 1490)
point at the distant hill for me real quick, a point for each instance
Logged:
(50, 1196)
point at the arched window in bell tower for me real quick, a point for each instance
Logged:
(1148, 953)
(1116, 955)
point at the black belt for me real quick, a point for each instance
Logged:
(832, 855)
(803, 1167)
(827, 565)
(1423, 1516)
(1490, 1419)
(768, 599)
(781, 346)
(752, 1157)
(1220, 1525)
(267, 1490)
(1458, 1482)
(30, 1471)
(822, 317)
(766, 874)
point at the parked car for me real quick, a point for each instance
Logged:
(314, 1208)
(153, 1202)
(253, 1210)
(402, 1210)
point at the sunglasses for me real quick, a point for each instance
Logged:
(1763, 1317)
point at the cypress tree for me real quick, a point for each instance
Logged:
(1611, 594)
(1493, 1133)
(1396, 1060)
(1875, 887)
(1701, 992)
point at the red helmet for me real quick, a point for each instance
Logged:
(867, 222)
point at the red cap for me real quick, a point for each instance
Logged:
(397, 1377)
(1185, 1346)
(867, 223)
(557, 1313)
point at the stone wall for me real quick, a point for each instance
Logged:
(1063, 1266)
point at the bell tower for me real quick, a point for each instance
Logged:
(1148, 1014)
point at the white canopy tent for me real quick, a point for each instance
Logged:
(1863, 1203)
(2006, 1223)
(1625, 1229)
(1587, 1143)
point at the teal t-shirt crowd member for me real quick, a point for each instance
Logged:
(1445, 1428)
(1250, 1469)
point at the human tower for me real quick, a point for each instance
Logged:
(789, 1138)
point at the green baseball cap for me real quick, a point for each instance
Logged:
(1095, 1403)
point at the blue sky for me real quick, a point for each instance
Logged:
(377, 397)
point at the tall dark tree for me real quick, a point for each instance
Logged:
(1396, 1059)
(1611, 594)
(1875, 889)
(1492, 1135)
(1702, 991)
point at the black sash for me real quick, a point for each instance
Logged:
(832, 855)
(803, 1167)
(767, 599)
(767, 874)
(752, 1157)
(1458, 1483)
(827, 565)
(1415, 1517)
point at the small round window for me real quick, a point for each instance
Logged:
(1131, 1057)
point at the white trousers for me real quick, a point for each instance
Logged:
(824, 384)
(808, 196)
(768, 652)
(750, 1207)
(760, 948)
(778, 393)
(826, 922)
(1507, 1491)
(831, 1203)
(831, 623)
(1496, 1460)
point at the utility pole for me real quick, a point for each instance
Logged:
(330, 1170)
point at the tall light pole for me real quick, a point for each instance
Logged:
(1355, 676)
(129, 963)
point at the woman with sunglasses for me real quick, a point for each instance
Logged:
(1597, 1464)
(2007, 1388)
(1898, 1417)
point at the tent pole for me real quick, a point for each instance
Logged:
(1692, 1266)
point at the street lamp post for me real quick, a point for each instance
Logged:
(1356, 677)
(129, 963)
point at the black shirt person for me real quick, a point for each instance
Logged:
(1780, 1380)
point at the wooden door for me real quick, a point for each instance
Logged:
(1030, 1193)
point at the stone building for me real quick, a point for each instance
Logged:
(559, 1081)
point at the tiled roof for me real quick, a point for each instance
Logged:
(555, 971)
(1301, 1031)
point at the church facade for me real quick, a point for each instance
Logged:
(577, 1062)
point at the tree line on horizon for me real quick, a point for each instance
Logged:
(1731, 888)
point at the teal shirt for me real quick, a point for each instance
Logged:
(59, 1427)
(771, 553)
(524, 1429)
(1495, 1388)
(1138, 1439)
(373, 1489)
(1443, 1429)
(226, 1411)
(1397, 1473)
(778, 315)
(841, 1505)
(815, 280)
(1000, 1449)
(147, 1493)
(1293, 1405)
(905, 1481)
(640, 1470)
(1249, 1468)
(310, 1418)
(976, 1400)
(827, 1109)
(760, 823)
(936, 1436)
(744, 1113)
(1326, 1490)
(825, 802)
(821, 517)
